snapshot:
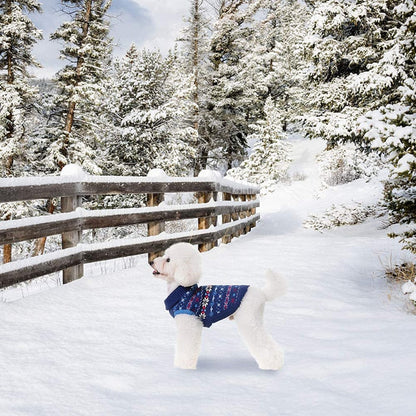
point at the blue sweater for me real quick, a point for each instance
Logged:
(209, 303)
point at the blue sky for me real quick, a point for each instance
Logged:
(147, 23)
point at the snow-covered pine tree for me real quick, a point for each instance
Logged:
(182, 136)
(229, 116)
(193, 58)
(354, 65)
(269, 159)
(137, 94)
(391, 129)
(274, 64)
(148, 108)
(17, 37)
(42, 111)
(87, 48)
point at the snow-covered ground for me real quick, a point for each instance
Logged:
(104, 345)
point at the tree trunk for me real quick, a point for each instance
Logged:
(69, 122)
(40, 242)
(80, 62)
(7, 248)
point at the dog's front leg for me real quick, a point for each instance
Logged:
(188, 341)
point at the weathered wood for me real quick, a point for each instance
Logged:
(155, 227)
(19, 230)
(214, 219)
(47, 187)
(252, 210)
(226, 218)
(7, 253)
(27, 269)
(235, 216)
(204, 222)
(16, 192)
(7, 248)
(93, 254)
(71, 239)
(243, 214)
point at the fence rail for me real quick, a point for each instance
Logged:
(234, 203)
(23, 189)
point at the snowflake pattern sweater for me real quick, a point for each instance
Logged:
(209, 303)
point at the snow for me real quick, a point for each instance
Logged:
(103, 345)
(73, 170)
(211, 175)
(405, 162)
(408, 287)
(6, 183)
(157, 173)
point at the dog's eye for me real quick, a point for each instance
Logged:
(168, 260)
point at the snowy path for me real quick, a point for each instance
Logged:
(104, 345)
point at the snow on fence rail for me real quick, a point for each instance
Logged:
(236, 208)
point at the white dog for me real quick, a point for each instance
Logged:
(194, 307)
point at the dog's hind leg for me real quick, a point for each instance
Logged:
(188, 341)
(249, 318)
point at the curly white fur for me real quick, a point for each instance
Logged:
(181, 266)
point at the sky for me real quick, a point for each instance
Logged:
(147, 23)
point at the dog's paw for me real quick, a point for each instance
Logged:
(273, 363)
(185, 367)
(185, 364)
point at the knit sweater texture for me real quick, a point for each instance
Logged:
(208, 303)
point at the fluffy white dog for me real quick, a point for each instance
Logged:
(194, 307)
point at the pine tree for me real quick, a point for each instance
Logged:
(274, 65)
(17, 37)
(269, 160)
(354, 65)
(137, 95)
(148, 108)
(183, 139)
(87, 48)
(229, 110)
(391, 130)
(193, 59)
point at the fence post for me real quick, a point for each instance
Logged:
(71, 238)
(204, 222)
(226, 218)
(235, 216)
(204, 197)
(252, 197)
(153, 200)
(243, 214)
(214, 219)
(7, 248)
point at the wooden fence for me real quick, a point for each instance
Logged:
(234, 203)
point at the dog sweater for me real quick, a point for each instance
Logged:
(209, 303)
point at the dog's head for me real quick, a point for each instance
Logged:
(181, 263)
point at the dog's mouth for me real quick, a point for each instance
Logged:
(156, 272)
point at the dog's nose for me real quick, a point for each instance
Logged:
(151, 263)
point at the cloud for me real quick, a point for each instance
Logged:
(147, 23)
(167, 19)
(130, 23)
(45, 51)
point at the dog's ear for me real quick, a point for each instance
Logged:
(188, 271)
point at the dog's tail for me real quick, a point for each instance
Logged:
(275, 285)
